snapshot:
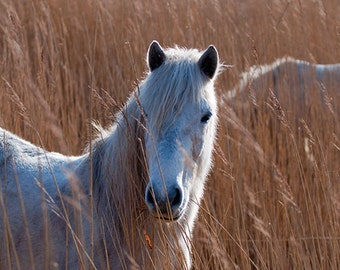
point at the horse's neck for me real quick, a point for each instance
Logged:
(119, 178)
(116, 168)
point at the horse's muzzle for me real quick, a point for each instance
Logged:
(165, 204)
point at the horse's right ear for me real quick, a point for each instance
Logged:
(208, 62)
(156, 56)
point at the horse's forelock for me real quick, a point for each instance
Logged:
(176, 83)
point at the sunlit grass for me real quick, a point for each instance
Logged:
(269, 203)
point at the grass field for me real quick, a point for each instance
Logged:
(268, 204)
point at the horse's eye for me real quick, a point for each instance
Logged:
(206, 117)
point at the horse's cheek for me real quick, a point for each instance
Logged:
(196, 148)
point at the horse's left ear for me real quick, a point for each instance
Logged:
(208, 62)
(156, 55)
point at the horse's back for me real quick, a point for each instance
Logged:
(11, 146)
(22, 161)
(288, 78)
(20, 156)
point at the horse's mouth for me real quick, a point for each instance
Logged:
(168, 218)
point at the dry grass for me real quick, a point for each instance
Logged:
(268, 205)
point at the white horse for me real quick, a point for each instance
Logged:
(131, 200)
(295, 87)
(287, 74)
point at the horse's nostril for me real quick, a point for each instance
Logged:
(177, 199)
(167, 204)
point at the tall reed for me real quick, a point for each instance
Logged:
(273, 199)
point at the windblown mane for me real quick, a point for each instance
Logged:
(120, 146)
(119, 173)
